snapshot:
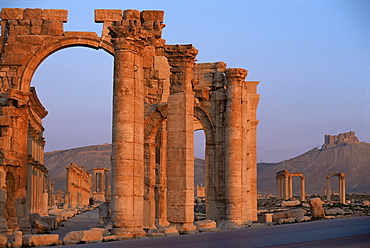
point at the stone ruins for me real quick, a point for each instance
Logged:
(284, 181)
(340, 139)
(78, 188)
(100, 184)
(285, 186)
(160, 96)
(342, 186)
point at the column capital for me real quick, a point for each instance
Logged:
(180, 54)
(129, 37)
(235, 76)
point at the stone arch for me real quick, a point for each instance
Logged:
(207, 124)
(152, 200)
(71, 39)
(154, 171)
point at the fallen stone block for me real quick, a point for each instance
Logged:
(40, 240)
(110, 238)
(84, 236)
(335, 211)
(16, 239)
(286, 221)
(303, 218)
(70, 242)
(290, 203)
(51, 221)
(295, 213)
(205, 223)
(316, 208)
(41, 227)
(104, 231)
(329, 217)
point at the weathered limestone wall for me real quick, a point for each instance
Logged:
(78, 187)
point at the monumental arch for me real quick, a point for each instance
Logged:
(158, 92)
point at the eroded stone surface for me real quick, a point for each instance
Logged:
(316, 208)
(40, 240)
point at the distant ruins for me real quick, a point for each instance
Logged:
(342, 187)
(100, 184)
(284, 181)
(159, 93)
(78, 188)
(340, 139)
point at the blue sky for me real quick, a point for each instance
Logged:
(312, 59)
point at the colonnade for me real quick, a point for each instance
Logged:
(78, 188)
(342, 187)
(284, 181)
(39, 190)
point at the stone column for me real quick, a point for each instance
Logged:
(286, 186)
(180, 138)
(278, 182)
(233, 150)
(250, 141)
(215, 198)
(149, 187)
(161, 177)
(303, 190)
(127, 200)
(342, 188)
(328, 189)
(290, 186)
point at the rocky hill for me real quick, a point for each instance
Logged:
(341, 153)
(91, 157)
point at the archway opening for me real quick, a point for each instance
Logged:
(75, 86)
(199, 172)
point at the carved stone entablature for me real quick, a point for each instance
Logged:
(138, 30)
(152, 21)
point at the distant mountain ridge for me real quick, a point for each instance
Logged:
(92, 157)
(352, 158)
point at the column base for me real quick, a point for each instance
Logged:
(186, 228)
(230, 225)
(126, 233)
